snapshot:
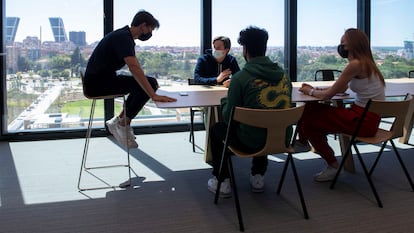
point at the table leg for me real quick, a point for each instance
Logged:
(212, 116)
(408, 125)
(344, 142)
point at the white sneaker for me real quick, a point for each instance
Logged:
(112, 127)
(328, 174)
(225, 187)
(131, 138)
(120, 133)
(257, 183)
(114, 120)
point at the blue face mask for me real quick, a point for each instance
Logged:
(217, 54)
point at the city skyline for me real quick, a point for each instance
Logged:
(312, 31)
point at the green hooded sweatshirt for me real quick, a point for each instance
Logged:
(260, 84)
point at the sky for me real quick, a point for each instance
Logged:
(320, 22)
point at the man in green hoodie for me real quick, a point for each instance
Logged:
(260, 84)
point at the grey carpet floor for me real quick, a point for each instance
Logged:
(38, 191)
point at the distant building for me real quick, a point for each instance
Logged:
(58, 29)
(408, 48)
(78, 38)
(11, 28)
(31, 48)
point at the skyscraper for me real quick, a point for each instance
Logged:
(58, 29)
(11, 28)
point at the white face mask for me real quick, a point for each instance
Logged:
(217, 54)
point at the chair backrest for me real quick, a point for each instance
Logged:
(411, 74)
(393, 109)
(327, 74)
(275, 121)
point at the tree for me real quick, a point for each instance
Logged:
(76, 61)
(44, 73)
(23, 64)
(60, 63)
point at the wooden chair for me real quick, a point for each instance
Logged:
(278, 124)
(193, 110)
(387, 109)
(84, 167)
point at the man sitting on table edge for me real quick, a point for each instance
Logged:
(260, 84)
(113, 52)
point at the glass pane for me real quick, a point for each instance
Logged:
(321, 23)
(229, 21)
(46, 44)
(170, 55)
(392, 36)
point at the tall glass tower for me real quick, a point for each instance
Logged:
(58, 29)
(11, 28)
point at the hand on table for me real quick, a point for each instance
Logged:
(306, 88)
(226, 83)
(163, 98)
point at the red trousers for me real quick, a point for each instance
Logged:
(319, 120)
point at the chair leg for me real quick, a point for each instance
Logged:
(191, 138)
(282, 178)
(236, 195)
(371, 184)
(377, 159)
(402, 165)
(127, 149)
(341, 165)
(298, 186)
(86, 146)
(233, 187)
(85, 168)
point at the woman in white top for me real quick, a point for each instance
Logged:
(365, 79)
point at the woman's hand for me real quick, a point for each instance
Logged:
(306, 88)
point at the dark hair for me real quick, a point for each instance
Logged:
(145, 17)
(254, 40)
(225, 39)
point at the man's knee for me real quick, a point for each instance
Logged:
(153, 82)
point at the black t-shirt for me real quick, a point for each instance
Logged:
(109, 54)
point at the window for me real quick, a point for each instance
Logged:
(171, 53)
(321, 23)
(392, 36)
(232, 16)
(47, 43)
(45, 46)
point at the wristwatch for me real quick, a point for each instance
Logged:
(311, 91)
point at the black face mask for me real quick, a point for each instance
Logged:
(342, 51)
(144, 37)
